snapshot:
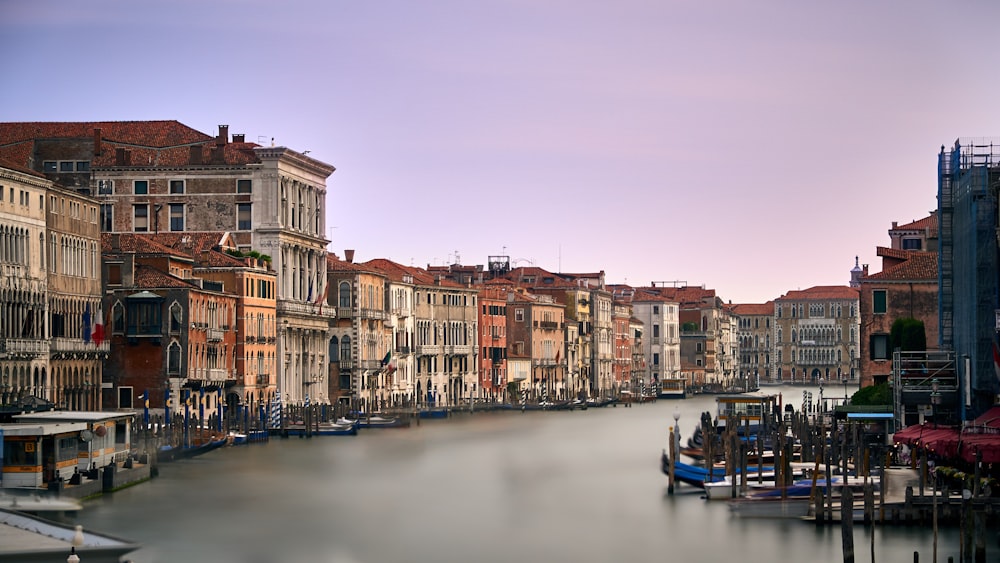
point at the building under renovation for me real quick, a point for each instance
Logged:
(968, 179)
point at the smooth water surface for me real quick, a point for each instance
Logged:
(573, 486)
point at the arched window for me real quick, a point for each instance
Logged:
(334, 350)
(175, 318)
(345, 349)
(345, 295)
(174, 358)
(118, 318)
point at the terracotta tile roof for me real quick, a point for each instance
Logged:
(217, 259)
(191, 242)
(16, 165)
(821, 292)
(334, 264)
(748, 309)
(685, 295)
(150, 143)
(135, 243)
(930, 222)
(886, 252)
(915, 266)
(147, 277)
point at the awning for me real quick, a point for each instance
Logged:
(942, 441)
(986, 444)
(982, 435)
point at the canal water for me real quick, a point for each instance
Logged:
(573, 486)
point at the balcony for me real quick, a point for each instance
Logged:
(403, 350)
(428, 349)
(215, 374)
(25, 347)
(345, 312)
(457, 350)
(76, 346)
(345, 365)
(288, 307)
(376, 314)
(548, 325)
(215, 334)
(12, 271)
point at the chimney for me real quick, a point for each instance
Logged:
(97, 141)
(194, 157)
(119, 156)
(894, 225)
(239, 138)
(349, 256)
(223, 137)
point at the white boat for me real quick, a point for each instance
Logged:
(38, 503)
(723, 488)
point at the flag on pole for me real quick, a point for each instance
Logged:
(387, 358)
(322, 298)
(86, 324)
(97, 331)
(309, 296)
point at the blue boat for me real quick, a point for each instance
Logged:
(434, 413)
(694, 475)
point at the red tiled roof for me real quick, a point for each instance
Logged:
(754, 308)
(821, 292)
(135, 243)
(15, 164)
(922, 266)
(191, 242)
(929, 222)
(153, 143)
(147, 277)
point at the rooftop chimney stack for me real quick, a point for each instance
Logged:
(223, 137)
(349, 256)
(97, 141)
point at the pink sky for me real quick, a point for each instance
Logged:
(751, 147)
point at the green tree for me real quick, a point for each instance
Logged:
(880, 394)
(907, 334)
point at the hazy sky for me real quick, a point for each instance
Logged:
(754, 147)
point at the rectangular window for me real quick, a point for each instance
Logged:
(124, 397)
(880, 347)
(243, 222)
(66, 166)
(107, 218)
(519, 315)
(656, 358)
(911, 244)
(140, 187)
(140, 218)
(114, 274)
(83, 166)
(244, 186)
(176, 216)
(656, 331)
(50, 166)
(879, 305)
(176, 186)
(656, 309)
(105, 187)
